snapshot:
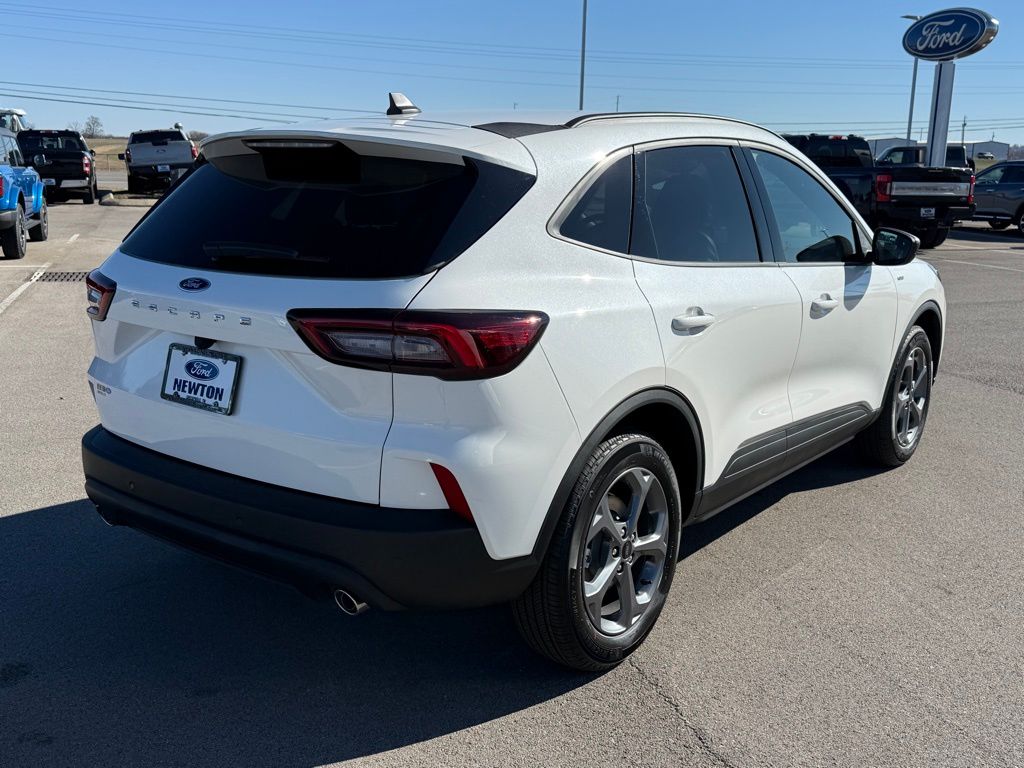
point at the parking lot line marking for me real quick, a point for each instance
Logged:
(72, 238)
(22, 266)
(977, 264)
(22, 288)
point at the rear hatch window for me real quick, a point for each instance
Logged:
(838, 152)
(156, 137)
(320, 209)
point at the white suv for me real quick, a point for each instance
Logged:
(448, 361)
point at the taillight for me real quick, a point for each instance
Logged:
(195, 151)
(1, 186)
(86, 165)
(447, 344)
(99, 291)
(970, 193)
(883, 187)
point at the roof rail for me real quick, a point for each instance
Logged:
(595, 116)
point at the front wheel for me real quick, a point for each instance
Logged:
(894, 436)
(610, 565)
(14, 240)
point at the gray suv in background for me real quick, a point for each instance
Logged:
(155, 159)
(999, 195)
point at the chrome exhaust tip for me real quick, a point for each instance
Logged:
(349, 603)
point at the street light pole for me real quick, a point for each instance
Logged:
(583, 53)
(913, 86)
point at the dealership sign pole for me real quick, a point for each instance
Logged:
(944, 37)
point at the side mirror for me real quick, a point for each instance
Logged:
(92, 152)
(893, 247)
(39, 160)
(120, 155)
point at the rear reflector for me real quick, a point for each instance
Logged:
(448, 344)
(99, 291)
(452, 491)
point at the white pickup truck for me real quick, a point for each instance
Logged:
(156, 158)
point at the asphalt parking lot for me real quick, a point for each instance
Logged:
(841, 617)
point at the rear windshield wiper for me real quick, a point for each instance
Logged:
(223, 251)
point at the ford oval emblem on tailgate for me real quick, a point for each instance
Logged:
(203, 370)
(194, 284)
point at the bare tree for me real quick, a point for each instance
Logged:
(93, 127)
(75, 126)
(197, 135)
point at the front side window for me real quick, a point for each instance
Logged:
(5, 150)
(690, 206)
(811, 224)
(990, 177)
(601, 217)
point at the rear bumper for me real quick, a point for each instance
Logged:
(391, 558)
(907, 216)
(150, 174)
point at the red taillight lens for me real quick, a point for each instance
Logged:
(86, 165)
(99, 290)
(449, 345)
(883, 187)
(195, 151)
(970, 193)
(452, 491)
(1, 186)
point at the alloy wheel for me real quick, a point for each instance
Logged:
(912, 389)
(625, 550)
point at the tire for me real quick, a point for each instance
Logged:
(41, 231)
(133, 185)
(14, 240)
(553, 614)
(90, 195)
(1020, 222)
(999, 224)
(932, 238)
(885, 442)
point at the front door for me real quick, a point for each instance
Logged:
(986, 188)
(849, 307)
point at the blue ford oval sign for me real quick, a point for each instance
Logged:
(951, 34)
(194, 284)
(202, 370)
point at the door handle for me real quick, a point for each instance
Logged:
(694, 321)
(824, 303)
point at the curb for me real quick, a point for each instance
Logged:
(110, 199)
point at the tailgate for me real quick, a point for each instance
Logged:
(944, 185)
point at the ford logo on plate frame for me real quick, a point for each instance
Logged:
(193, 284)
(950, 34)
(202, 370)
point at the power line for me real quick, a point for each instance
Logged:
(175, 110)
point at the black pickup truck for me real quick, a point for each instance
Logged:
(63, 161)
(923, 201)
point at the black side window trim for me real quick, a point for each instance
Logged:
(776, 237)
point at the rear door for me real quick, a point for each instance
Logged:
(729, 322)
(849, 309)
(1009, 193)
(196, 358)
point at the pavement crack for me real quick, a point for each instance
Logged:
(704, 739)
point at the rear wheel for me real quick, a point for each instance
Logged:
(41, 230)
(134, 187)
(609, 567)
(932, 238)
(896, 433)
(90, 194)
(14, 240)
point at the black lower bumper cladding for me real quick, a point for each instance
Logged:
(390, 558)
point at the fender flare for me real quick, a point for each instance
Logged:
(631, 404)
(929, 306)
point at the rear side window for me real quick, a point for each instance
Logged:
(690, 206)
(601, 217)
(1014, 174)
(326, 212)
(152, 137)
(34, 142)
(812, 226)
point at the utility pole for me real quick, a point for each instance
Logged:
(583, 53)
(617, 97)
(963, 129)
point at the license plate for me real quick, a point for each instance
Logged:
(49, 182)
(163, 169)
(201, 378)
(927, 213)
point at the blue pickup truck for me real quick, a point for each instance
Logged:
(23, 214)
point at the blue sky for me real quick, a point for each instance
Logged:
(820, 66)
